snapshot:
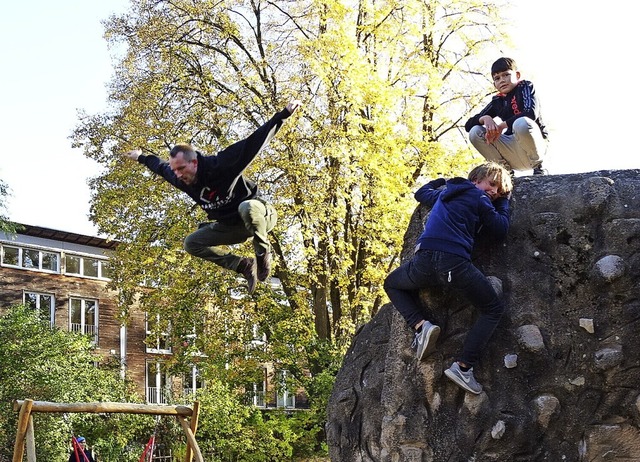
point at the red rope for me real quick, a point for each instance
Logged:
(77, 450)
(147, 447)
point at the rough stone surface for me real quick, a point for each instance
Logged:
(572, 254)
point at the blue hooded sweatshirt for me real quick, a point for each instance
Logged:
(460, 211)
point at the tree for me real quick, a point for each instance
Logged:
(385, 86)
(43, 363)
(384, 83)
(5, 224)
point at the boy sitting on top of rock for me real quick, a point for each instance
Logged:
(509, 130)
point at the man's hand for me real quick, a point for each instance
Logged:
(293, 105)
(133, 154)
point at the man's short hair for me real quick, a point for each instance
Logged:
(188, 153)
(502, 65)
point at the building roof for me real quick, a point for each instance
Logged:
(65, 236)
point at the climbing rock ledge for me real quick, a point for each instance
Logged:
(561, 375)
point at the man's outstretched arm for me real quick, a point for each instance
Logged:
(153, 163)
(235, 158)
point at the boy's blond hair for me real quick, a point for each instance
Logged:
(494, 172)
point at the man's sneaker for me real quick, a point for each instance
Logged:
(425, 341)
(247, 267)
(463, 379)
(264, 265)
(538, 170)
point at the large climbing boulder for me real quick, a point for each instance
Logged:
(561, 374)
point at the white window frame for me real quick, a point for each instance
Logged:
(157, 339)
(83, 327)
(259, 396)
(156, 394)
(39, 295)
(191, 381)
(81, 265)
(21, 257)
(258, 339)
(284, 399)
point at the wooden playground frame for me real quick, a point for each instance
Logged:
(25, 434)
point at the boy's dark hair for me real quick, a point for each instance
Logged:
(188, 153)
(503, 64)
(494, 172)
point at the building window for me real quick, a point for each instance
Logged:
(286, 398)
(83, 317)
(10, 256)
(31, 259)
(157, 335)
(191, 383)
(86, 266)
(72, 264)
(257, 391)
(158, 383)
(259, 338)
(43, 304)
(105, 269)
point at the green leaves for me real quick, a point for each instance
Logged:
(41, 363)
(5, 224)
(384, 87)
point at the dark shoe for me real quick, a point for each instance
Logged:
(264, 265)
(464, 380)
(425, 340)
(247, 267)
(538, 170)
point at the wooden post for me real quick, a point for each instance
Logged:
(31, 441)
(194, 428)
(191, 439)
(23, 423)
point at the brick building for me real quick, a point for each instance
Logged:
(65, 277)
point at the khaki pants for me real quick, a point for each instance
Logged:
(523, 150)
(258, 219)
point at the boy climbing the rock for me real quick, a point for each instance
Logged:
(509, 130)
(461, 209)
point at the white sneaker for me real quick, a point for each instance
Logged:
(425, 340)
(464, 380)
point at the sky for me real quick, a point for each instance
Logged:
(578, 54)
(54, 62)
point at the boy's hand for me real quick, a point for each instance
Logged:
(494, 130)
(505, 195)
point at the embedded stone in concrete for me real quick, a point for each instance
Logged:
(587, 324)
(510, 361)
(610, 267)
(608, 358)
(498, 429)
(545, 407)
(530, 338)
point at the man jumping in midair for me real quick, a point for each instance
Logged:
(233, 203)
